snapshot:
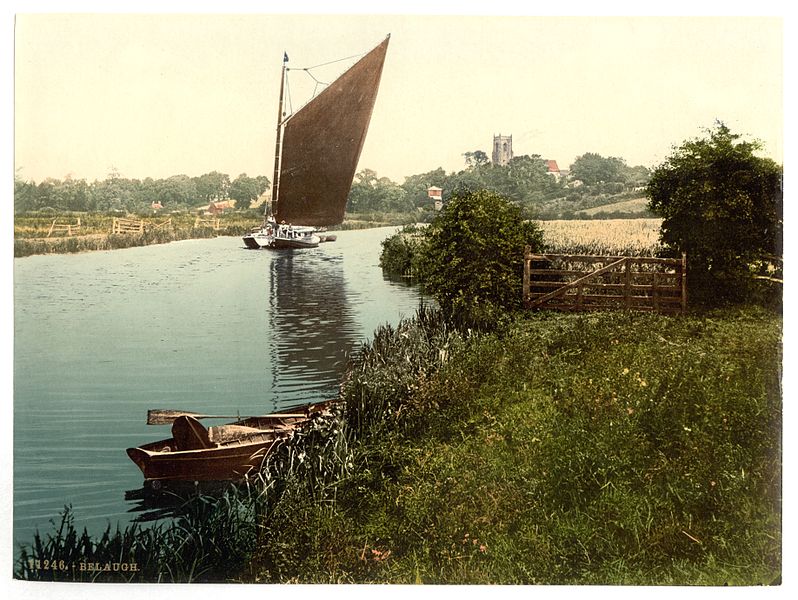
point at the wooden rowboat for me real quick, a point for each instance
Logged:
(222, 453)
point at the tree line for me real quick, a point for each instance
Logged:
(116, 193)
(524, 180)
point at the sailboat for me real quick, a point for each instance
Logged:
(316, 153)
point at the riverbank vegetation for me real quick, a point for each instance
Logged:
(93, 231)
(566, 449)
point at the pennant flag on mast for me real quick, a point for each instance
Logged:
(285, 56)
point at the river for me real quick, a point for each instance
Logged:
(199, 325)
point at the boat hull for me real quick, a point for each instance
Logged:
(296, 243)
(219, 453)
(283, 236)
(226, 463)
(256, 241)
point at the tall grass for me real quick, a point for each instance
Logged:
(209, 541)
(619, 448)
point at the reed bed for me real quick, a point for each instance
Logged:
(30, 232)
(209, 541)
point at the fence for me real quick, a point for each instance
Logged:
(127, 225)
(577, 282)
(66, 228)
(212, 223)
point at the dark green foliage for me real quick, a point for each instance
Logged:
(210, 541)
(399, 250)
(592, 169)
(370, 193)
(116, 193)
(471, 257)
(722, 205)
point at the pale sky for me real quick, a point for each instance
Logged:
(161, 95)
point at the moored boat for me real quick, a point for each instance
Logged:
(221, 453)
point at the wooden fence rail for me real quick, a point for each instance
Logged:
(67, 228)
(212, 223)
(127, 225)
(578, 282)
(162, 225)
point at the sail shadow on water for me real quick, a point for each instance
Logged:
(313, 328)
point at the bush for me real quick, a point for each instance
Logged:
(471, 259)
(399, 251)
(722, 205)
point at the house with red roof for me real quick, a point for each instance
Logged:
(553, 169)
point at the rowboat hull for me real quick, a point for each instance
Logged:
(222, 453)
(225, 463)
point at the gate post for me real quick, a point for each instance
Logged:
(684, 282)
(527, 275)
(627, 288)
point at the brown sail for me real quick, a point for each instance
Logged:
(321, 145)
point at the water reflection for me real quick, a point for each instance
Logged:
(313, 328)
(171, 499)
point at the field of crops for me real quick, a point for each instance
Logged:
(612, 237)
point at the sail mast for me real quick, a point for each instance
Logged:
(278, 140)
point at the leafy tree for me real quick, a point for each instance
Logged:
(177, 190)
(476, 159)
(25, 197)
(245, 189)
(372, 193)
(212, 186)
(592, 168)
(722, 205)
(471, 256)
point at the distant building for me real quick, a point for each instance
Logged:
(552, 169)
(436, 195)
(156, 205)
(502, 149)
(216, 208)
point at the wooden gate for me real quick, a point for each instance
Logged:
(577, 282)
(67, 228)
(120, 225)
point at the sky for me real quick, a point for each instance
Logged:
(159, 95)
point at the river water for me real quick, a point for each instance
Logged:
(198, 325)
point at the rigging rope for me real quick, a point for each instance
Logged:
(318, 82)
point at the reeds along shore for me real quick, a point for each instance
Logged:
(34, 234)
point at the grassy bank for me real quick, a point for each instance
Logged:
(95, 232)
(613, 448)
(616, 448)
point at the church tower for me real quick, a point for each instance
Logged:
(502, 149)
